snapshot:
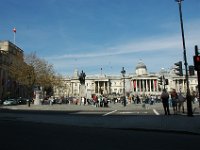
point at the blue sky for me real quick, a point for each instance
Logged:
(108, 34)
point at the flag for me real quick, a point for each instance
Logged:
(155, 84)
(134, 84)
(14, 30)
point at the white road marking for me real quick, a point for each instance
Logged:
(86, 112)
(109, 113)
(155, 111)
(126, 112)
(133, 112)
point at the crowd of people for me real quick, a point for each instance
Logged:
(177, 101)
(100, 101)
(169, 99)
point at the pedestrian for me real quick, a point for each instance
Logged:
(165, 100)
(95, 100)
(50, 102)
(85, 101)
(181, 100)
(82, 100)
(174, 97)
(29, 102)
(151, 100)
(137, 100)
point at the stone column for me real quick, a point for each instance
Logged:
(108, 87)
(147, 88)
(72, 89)
(136, 86)
(104, 85)
(150, 85)
(98, 87)
(94, 87)
(143, 89)
(140, 84)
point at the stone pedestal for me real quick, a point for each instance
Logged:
(82, 91)
(37, 100)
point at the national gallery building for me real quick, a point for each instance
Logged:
(139, 83)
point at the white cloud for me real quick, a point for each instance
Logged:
(151, 44)
(116, 56)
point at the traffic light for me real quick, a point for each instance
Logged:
(196, 62)
(196, 59)
(196, 50)
(160, 80)
(178, 68)
(191, 70)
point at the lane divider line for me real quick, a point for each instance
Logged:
(109, 113)
(155, 111)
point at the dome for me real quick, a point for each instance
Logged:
(141, 65)
(141, 69)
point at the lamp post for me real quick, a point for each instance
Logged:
(123, 72)
(188, 95)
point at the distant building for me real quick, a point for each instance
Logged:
(139, 83)
(10, 55)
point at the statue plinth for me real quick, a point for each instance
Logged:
(82, 91)
(37, 100)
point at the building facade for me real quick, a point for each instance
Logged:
(11, 57)
(139, 83)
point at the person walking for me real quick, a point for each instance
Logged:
(181, 100)
(165, 100)
(174, 97)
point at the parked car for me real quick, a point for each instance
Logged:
(10, 102)
(22, 100)
(57, 101)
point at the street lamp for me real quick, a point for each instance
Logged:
(188, 95)
(123, 72)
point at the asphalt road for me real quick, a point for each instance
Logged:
(34, 136)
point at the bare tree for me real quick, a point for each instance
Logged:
(32, 71)
(43, 74)
(19, 75)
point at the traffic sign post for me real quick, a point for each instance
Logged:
(196, 59)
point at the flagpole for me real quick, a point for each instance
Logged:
(14, 31)
(14, 37)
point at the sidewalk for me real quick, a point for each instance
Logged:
(73, 107)
(173, 123)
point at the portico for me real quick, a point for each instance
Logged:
(145, 85)
(102, 86)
